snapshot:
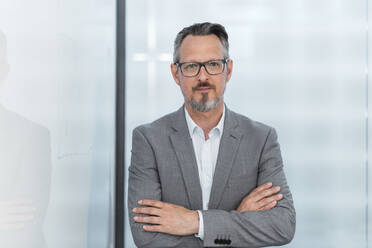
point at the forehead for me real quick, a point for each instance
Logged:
(201, 48)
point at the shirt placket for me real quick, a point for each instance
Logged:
(206, 168)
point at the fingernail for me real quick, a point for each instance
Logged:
(135, 218)
(269, 184)
(277, 187)
(140, 202)
(280, 195)
(134, 209)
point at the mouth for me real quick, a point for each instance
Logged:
(203, 89)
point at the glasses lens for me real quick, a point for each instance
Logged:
(214, 67)
(190, 69)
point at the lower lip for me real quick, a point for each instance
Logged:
(203, 90)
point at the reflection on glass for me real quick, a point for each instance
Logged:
(61, 82)
(25, 171)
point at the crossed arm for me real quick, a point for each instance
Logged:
(264, 217)
(177, 220)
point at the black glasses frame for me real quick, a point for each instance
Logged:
(202, 65)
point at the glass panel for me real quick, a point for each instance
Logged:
(57, 112)
(299, 66)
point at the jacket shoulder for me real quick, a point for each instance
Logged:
(250, 126)
(160, 126)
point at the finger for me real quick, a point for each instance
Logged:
(151, 203)
(268, 200)
(267, 192)
(278, 197)
(264, 202)
(148, 210)
(153, 228)
(261, 188)
(147, 219)
(268, 206)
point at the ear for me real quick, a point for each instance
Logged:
(229, 65)
(174, 71)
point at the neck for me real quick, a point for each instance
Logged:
(206, 120)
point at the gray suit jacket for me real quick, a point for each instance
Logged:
(163, 167)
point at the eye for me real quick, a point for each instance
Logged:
(190, 66)
(213, 64)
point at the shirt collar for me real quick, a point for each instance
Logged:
(192, 126)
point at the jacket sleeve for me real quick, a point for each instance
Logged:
(257, 228)
(144, 183)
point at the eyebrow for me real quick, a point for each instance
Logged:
(193, 61)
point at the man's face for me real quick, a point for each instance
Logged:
(202, 92)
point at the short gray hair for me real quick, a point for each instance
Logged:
(201, 29)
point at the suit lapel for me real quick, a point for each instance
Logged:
(183, 147)
(229, 144)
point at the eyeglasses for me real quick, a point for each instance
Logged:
(212, 67)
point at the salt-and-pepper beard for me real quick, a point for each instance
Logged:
(204, 105)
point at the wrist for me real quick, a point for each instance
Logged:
(195, 217)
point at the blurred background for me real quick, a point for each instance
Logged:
(299, 66)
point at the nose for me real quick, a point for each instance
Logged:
(203, 74)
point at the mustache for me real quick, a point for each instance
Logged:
(203, 84)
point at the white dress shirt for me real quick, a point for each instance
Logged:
(206, 152)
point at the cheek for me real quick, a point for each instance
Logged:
(187, 85)
(221, 87)
(186, 89)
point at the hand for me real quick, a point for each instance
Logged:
(261, 198)
(167, 218)
(15, 214)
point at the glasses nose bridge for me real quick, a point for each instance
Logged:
(205, 68)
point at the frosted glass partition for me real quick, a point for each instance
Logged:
(57, 112)
(300, 66)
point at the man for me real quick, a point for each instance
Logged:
(205, 176)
